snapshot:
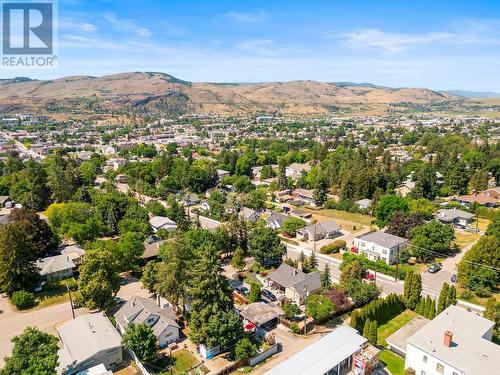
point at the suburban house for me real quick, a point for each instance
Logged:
(304, 215)
(259, 315)
(405, 188)
(257, 171)
(56, 267)
(248, 214)
(162, 222)
(276, 219)
(454, 216)
(221, 173)
(295, 284)
(319, 231)
(338, 352)
(363, 204)
(190, 199)
(380, 246)
(75, 253)
(488, 198)
(456, 342)
(151, 250)
(294, 170)
(305, 195)
(143, 310)
(88, 340)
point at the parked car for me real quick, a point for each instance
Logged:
(268, 295)
(243, 290)
(369, 276)
(123, 281)
(38, 288)
(118, 300)
(454, 278)
(434, 267)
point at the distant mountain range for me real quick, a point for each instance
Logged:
(473, 94)
(153, 91)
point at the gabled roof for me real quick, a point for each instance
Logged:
(277, 217)
(247, 213)
(139, 309)
(290, 277)
(54, 264)
(323, 228)
(161, 221)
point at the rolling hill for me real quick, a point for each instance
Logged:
(153, 91)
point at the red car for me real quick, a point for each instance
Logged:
(369, 276)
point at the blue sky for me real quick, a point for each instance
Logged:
(435, 44)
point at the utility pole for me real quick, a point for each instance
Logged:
(70, 301)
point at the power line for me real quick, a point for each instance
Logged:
(462, 260)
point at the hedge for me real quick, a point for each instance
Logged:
(334, 247)
(379, 266)
(380, 310)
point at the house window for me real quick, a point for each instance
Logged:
(440, 368)
(384, 252)
(424, 359)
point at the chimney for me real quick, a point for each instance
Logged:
(299, 268)
(447, 338)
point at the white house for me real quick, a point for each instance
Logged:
(295, 170)
(56, 267)
(248, 214)
(315, 232)
(139, 310)
(162, 222)
(88, 340)
(380, 245)
(364, 203)
(456, 342)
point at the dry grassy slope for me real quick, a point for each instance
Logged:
(145, 89)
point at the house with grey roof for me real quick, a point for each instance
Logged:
(248, 214)
(276, 220)
(454, 216)
(363, 204)
(380, 246)
(75, 253)
(56, 267)
(87, 341)
(162, 222)
(319, 231)
(295, 283)
(454, 342)
(139, 310)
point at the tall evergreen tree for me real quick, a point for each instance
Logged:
(443, 296)
(366, 328)
(373, 336)
(451, 299)
(326, 279)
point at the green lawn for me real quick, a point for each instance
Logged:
(462, 239)
(394, 363)
(54, 293)
(183, 360)
(384, 331)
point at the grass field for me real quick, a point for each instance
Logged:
(346, 220)
(384, 331)
(462, 239)
(394, 363)
(54, 293)
(181, 361)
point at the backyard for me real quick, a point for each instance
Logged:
(54, 292)
(179, 363)
(385, 330)
(393, 362)
(347, 220)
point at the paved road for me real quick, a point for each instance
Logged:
(13, 322)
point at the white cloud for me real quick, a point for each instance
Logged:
(126, 25)
(248, 17)
(392, 42)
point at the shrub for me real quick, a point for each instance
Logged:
(291, 309)
(294, 327)
(334, 247)
(467, 294)
(379, 266)
(22, 299)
